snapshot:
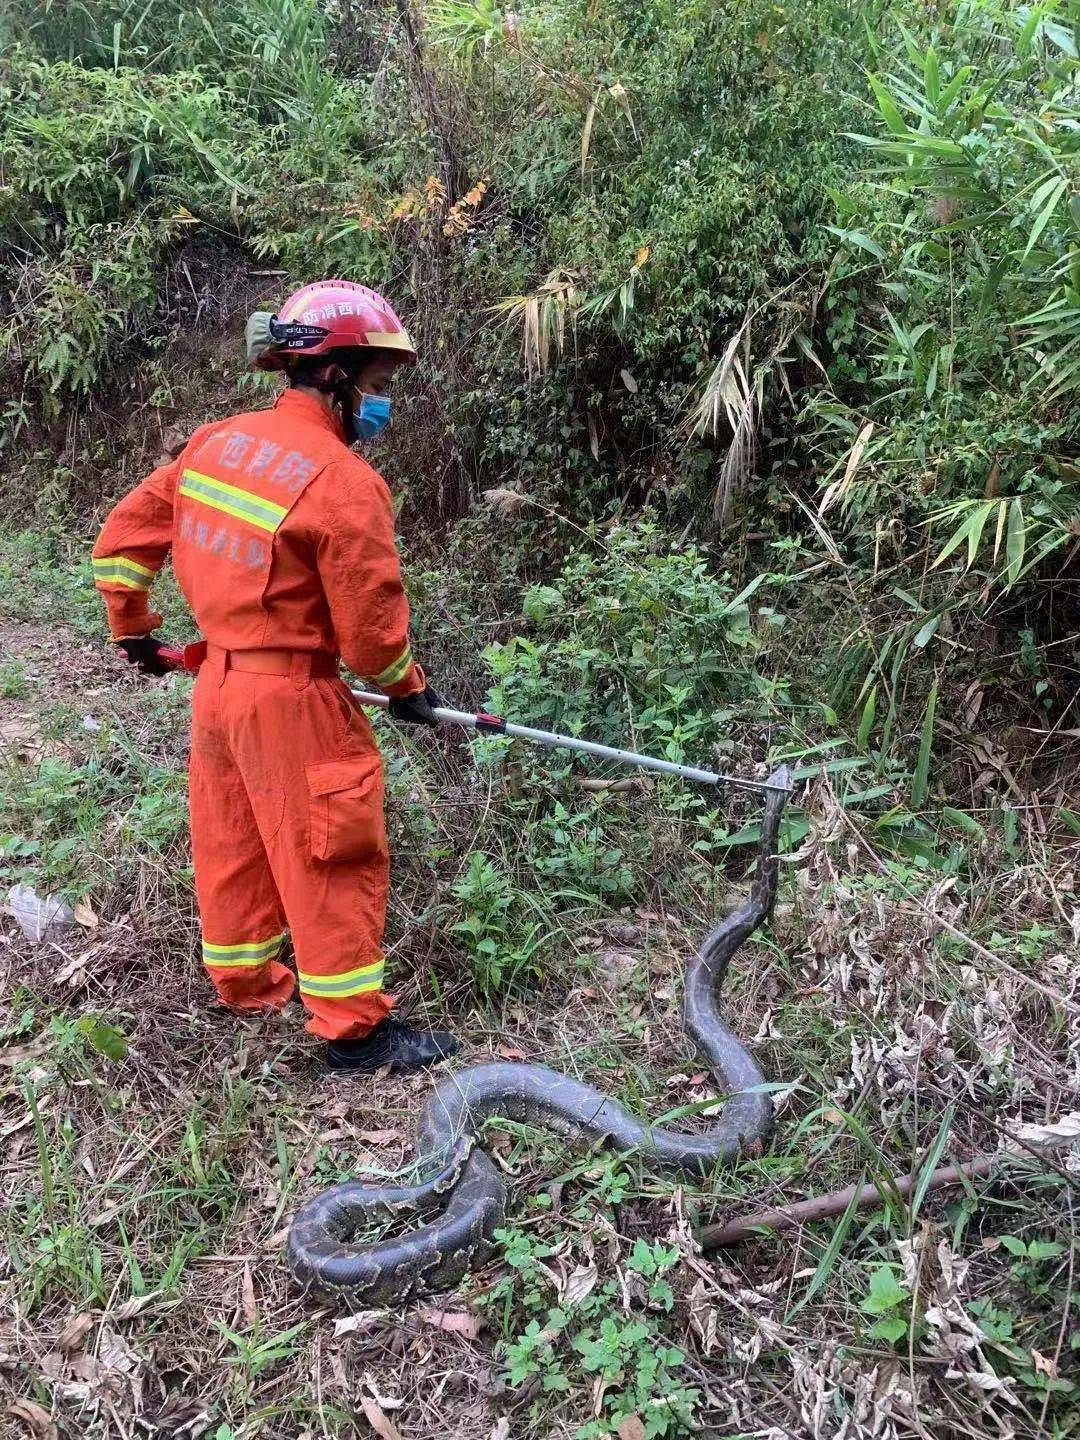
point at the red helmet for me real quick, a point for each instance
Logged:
(328, 315)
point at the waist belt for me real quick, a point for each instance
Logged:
(301, 664)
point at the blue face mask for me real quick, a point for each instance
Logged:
(371, 416)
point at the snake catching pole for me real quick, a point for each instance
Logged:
(493, 725)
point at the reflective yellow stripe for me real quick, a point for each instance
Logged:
(119, 570)
(247, 952)
(398, 670)
(352, 982)
(241, 504)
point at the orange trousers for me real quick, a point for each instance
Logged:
(288, 831)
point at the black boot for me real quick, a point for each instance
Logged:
(393, 1043)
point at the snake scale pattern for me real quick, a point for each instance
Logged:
(462, 1202)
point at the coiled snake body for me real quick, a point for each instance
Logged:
(466, 1188)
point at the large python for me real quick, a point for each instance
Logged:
(465, 1186)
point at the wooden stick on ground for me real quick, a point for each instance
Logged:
(821, 1207)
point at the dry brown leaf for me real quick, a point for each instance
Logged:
(18, 732)
(838, 487)
(16, 1054)
(247, 1295)
(115, 1354)
(580, 1283)
(378, 1419)
(456, 1322)
(1060, 1132)
(74, 972)
(379, 1137)
(631, 1428)
(135, 1306)
(358, 1323)
(1043, 1365)
(73, 1332)
(510, 1052)
(85, 915)
(37, 1419)
(182, 1416)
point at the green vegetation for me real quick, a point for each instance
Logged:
(745, 431)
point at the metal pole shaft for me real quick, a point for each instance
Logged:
(490, 725)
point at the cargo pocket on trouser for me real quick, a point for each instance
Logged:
(345, 800)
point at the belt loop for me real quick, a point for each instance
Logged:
(300, 668)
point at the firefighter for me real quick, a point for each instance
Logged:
(282, 542)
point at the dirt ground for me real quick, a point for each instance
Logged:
(148, 1194)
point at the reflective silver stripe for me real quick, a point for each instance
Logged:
(247, 952)
(119, 570)
(241, 504)
(352, 982)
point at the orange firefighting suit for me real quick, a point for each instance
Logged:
(282, 541)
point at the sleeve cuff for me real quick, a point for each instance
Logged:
(412, 683)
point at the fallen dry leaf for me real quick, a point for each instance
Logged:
(73, 1332)
(182, 1416)
(74, 972)
(135, 1306)
(358, 1323)
(1043, 1365)
(84, 914)
(579, 1283)
(379, 1421)
(247, 1295)
(37, 1419)
(379, 1137)
(510, 1052)
(631, 1428)
(1061, 1132)
(388, 1402)
(17, 1054)
(456, 1322)
(501, 1429)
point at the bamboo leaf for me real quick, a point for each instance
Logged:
(586, 137)
(930, 1161)
(1058, 186)
(920, 783)
(975, 533)
(1002, 512)
(955, 85)
(931, 77)
(1015, 542)
(887, 105)
(858, 238)
(866, 720)
(955, 540)
(1027, 34)
(926, 632)
(963, 821)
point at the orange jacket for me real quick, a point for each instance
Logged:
(281, 538)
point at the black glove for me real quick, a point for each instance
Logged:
(144, 651)
(416, 709)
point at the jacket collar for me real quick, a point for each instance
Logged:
(297, 406)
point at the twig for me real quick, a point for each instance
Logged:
(821, 1207)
